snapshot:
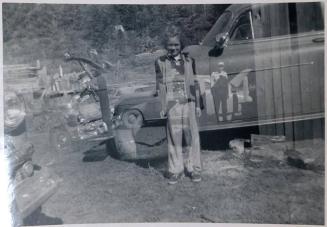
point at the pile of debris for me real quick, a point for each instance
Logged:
(263, 148)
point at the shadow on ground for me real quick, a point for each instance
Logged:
(39, 218)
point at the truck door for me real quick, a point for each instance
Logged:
(273, 56)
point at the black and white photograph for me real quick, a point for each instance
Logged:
(163, 113)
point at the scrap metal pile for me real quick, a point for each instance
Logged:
(32, 184)
(266, 148)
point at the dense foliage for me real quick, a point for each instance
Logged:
(46, 31)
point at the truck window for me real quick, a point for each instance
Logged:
(219, 27)
(243, 29)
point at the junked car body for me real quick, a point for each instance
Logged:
(32, 184)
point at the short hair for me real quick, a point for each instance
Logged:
(173, 31)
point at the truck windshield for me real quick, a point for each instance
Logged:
(219, 27)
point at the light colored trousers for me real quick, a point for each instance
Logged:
(181, 117)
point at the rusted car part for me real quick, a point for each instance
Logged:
(27, 81)
(24, 78)
(32, 187)
(103, 129)
(94, 122)
(35, 191)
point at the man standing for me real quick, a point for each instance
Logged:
(219, 90)
(180, 102)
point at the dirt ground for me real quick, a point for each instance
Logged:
(109, 190)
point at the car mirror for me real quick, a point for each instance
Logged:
(221, 43)
(222, 39)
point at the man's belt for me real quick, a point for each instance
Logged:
(182, 101)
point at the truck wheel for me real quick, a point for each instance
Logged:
(132, 119)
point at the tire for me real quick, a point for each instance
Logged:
(132, 119)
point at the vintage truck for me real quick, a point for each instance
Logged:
(274, 57)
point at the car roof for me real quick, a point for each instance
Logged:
(235, 8)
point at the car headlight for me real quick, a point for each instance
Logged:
(14, 111)
(92, 129)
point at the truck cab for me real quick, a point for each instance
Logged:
(274, 57)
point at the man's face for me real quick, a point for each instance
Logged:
(221, 68)
(173, 46)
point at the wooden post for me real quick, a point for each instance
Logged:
(102, 93)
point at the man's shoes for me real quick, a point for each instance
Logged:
(174, 178)
(196, 177)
